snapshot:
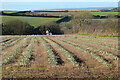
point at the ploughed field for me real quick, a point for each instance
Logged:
(59, 56)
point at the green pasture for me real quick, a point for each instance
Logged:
(104, 20)
(10, 11)
(104, 13)
(34, 21)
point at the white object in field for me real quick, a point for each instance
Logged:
(47, 32)
(50, 33)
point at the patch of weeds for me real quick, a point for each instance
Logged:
(7, 73)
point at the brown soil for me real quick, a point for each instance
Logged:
(22, 54)
(5, 52)
(89, 60)
(99, 47)
(103, 42)
(105, 56)
(40, 67)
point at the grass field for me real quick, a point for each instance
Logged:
(104, 13)
(10, 11)
(104, 20)
(34, 21)
(60, 56)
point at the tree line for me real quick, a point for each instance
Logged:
(17, 27)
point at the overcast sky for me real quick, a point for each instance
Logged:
(59, 0)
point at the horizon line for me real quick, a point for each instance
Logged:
(61, 9)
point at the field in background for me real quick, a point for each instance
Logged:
(93, 13)
(34, 21)
(104, 20)
(37, 21)
(60, 56)
(9, 12)
(104, 13)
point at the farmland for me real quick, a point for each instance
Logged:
(37, 21)
(104, 13)
(64, 13)
(59, 56)
(9, 12)
(34, 21)
(104, 20)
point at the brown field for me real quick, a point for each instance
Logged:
(63, 56)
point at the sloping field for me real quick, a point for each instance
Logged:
(63, 56)
(104, 20)
(104, 13)
(34, 21)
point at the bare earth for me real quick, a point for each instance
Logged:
(40, 67)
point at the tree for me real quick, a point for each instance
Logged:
(51, 27)
(16, 27)
(79, 19)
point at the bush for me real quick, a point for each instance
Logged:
(75, 25)
(16, 27)
(83, 24)
(101, 28)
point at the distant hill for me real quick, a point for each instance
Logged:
(110, 9)
(80, 10)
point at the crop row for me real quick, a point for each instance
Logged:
(99, 42)
(96, 44)
(97, 57)
(15, 51)
(26, 57)
(5, 39)
(51, 57)
(67, 54)
(96, 40)
(99, 38)
(4, 43)
(3, 47)
(102, 51)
